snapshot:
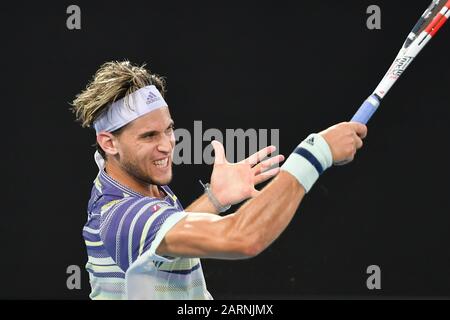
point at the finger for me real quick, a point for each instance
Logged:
(261, 154)
(358, 142)
(360, 129)
(266, 164)
(344, 162)
(219, 152)
(341, 163)
(266, 175)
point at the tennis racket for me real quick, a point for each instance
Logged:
(428, 25)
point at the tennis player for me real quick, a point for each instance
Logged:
(141, 243)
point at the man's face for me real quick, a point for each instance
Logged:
(146, 147)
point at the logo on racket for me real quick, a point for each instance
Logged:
(400, 65)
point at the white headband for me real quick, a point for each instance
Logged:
(129, 108)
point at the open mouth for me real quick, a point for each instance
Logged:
(161, 164)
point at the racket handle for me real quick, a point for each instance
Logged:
(366, 110)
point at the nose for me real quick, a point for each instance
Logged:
(166, 143)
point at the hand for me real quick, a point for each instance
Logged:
(232, 183)
(344, 140)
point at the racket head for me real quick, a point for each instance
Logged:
(427, 17)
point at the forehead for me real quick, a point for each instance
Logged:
(156, 120)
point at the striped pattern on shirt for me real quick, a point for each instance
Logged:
(123, 231)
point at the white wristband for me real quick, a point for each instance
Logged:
(308, 161)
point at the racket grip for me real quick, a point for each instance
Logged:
(366, 110)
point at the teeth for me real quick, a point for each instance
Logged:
(161, 163)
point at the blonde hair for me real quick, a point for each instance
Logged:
(113, 81)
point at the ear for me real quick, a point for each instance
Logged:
(108, 143)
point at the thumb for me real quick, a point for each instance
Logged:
(219, 152)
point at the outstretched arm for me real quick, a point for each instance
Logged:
(261, 219)
(242, 234)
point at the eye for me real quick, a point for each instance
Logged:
(170, 129)
(150, 136)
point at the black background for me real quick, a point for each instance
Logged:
(298, 66)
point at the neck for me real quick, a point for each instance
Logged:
(131, 182)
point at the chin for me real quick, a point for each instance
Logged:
(164, 182)
(161, 181)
